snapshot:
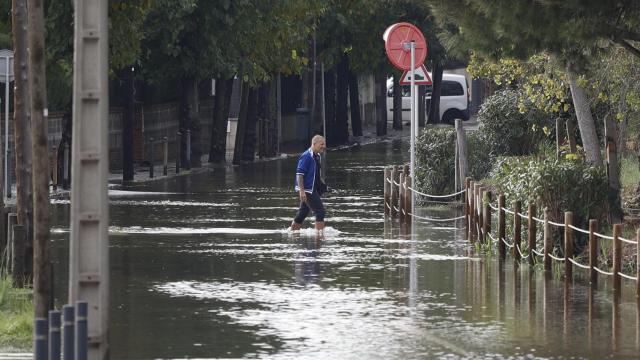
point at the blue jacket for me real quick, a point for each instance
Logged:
(306, 168)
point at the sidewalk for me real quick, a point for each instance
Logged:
(141, 173)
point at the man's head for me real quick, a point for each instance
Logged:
(318, 144)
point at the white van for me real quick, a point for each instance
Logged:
(454, 99)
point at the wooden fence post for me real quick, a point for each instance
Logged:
(408, 199)
(461, 142)
(472, 211)
(54, 168)
(531, 232)
(547, 241)
(477, 207)
(401, 197)
(467, 214)
(568, 244)
(517, 229)
(593, 250)
(481, 235)
(502, 249)
(617, 256)
(638, 263)
(395, 175)
(387, 190)
(486, 216)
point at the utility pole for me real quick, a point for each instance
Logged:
(22, 128)
(88, 245)
(38, 88)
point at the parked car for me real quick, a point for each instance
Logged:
(454, 99)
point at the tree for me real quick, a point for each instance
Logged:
(194, 40)
(42, 296)
(570, 30)
(22, 134)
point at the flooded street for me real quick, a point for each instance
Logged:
(203, 266)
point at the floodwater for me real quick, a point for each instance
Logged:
(203, 266)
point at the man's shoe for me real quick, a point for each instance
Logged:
(319, 225)
(295, 226)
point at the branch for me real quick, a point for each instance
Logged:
(627, 45)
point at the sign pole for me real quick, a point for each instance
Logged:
(7, 187)
(413, 128)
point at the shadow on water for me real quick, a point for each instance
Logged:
(203, 266)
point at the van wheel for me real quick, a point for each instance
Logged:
(450, 116)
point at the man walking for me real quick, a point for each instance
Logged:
(309, 185)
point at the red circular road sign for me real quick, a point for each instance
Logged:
(396, 43)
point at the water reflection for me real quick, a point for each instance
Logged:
(203, 266)
(306, 264)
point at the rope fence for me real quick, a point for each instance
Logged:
(480, 210)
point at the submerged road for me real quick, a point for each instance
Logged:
(203, 266)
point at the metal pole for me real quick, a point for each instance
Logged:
(414, 124)
(6, 130)
(54, 335)
(40, 339)
(279, 110)
(324, 123)
(151, 158)
(89, 236)
(82, 330)
(68, 327)
(178, 154)
(188, 154)
(166, 156)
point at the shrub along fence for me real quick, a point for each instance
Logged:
(479, 213)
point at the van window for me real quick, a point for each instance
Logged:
(406, 90)
(451, 88)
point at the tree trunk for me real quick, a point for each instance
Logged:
(128, 116)
(434, 103)
(218, 143)
(191, 112)
(422, 89)
(330, 105)
(622, 109)
(585, 120)
(22, 136)
(64, 151)
(249, 144)
(42, 253)
(342, 115)
(242, 123)
(381, 103)
(613, 171)
(397, 103)
(272, 116)
(354, 103)
(571, 135)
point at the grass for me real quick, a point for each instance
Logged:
(629, 175)
(16, 316)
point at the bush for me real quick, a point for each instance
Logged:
(481, 155)
(435, 158)
(509, 131)
(559, 185)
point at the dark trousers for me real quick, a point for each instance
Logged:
(313, 203)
